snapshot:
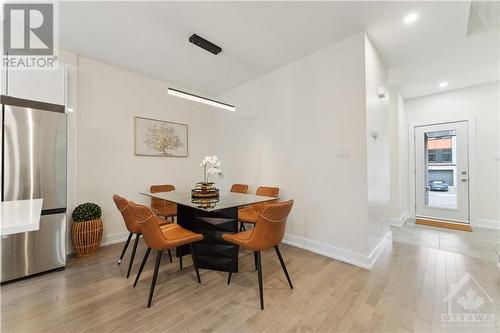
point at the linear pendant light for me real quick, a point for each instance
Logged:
(196, 98)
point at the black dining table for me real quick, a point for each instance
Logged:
(212, 218)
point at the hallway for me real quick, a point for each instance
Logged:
(482, 243)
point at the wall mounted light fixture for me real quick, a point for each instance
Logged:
(381, 92)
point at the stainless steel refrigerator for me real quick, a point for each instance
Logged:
(33, 167)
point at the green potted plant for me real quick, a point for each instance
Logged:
(86, 230)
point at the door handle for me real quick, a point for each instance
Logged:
(464, 180)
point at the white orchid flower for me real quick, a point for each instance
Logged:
(211, 165)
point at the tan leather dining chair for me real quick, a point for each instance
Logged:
(160, 207)
(123, 206)
(162, 239)
(251, 213)
(239, 188)
(268, 232)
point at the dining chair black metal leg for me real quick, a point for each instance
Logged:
(125, 248)
(133, 254)
(170, 255)
(259, 271)
(173, 221)
(255, 259)
(242, 227)
(180, 262)
(195, 263)
(142, 266)
(234, 258)
(155, 275)
(283, 265)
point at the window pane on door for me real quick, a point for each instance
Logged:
(441, 169)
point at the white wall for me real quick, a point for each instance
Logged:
(399, 159)
(108, 100)
(291, 129)
(378, 150)
(480, 103)
(70, 60)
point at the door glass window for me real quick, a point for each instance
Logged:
(441, 169)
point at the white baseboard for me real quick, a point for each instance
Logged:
(399, 222)
(338, 253)
(114, 238)
(386, 241)
(490, 224)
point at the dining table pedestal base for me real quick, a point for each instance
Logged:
(212, 252)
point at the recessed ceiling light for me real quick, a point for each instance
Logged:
(443, 84)
(410, 18)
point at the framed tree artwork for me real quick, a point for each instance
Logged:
(160, 138)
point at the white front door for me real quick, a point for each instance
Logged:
(442, 172)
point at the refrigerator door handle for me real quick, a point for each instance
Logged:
(53, 211)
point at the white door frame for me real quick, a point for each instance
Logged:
(472, 163)
(460, 213)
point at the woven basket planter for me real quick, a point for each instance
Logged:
(86, 237)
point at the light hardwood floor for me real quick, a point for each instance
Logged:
(402, 293)
(481, 243)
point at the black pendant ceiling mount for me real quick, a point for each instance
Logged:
(205, 44)
(214, 49)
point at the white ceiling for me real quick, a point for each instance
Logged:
(257, 37)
